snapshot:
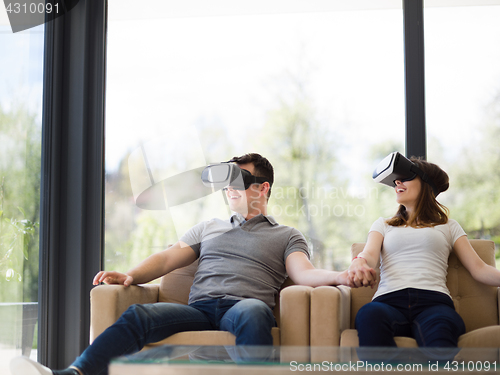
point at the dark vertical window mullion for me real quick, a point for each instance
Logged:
(72, 190)
(48, 191)
(413, 19)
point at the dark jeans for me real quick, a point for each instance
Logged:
(425, 315)
(250, 320)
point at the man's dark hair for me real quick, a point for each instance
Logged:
(262, 167)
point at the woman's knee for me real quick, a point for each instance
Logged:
(371, 312)
(439, 327)
(441, 316)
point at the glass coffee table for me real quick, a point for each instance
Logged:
(242, 360)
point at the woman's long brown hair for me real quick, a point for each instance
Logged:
(428, 211)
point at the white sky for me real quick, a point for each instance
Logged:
(229, 67)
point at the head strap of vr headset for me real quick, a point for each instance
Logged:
(425, 177)
(249, 179)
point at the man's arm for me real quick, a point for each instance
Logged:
(302, 272)
(159, 264)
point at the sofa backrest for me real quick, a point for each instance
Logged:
(476, 303)
(175, 287)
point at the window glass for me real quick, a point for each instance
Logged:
(463, 111)
(21, 73)
(318, 90)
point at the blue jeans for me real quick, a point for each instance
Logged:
(425, 315)
(250, 320)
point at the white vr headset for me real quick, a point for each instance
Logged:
(396, 167)
(222, 175)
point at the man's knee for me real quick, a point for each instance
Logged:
(135, 314)
(251, 311)
(134, 310)
(253, 308)
(250, 321)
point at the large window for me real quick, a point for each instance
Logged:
(21, 67)
(463, 110)
(319, 91)
(315, 86)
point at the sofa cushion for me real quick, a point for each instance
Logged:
(207, 338)
(486, 337)
(349, 338)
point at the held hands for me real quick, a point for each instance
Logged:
(361, 274)
(112, 277)
(344, 279)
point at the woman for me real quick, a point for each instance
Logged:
(413, 247)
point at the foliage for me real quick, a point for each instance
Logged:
(20, 163)
(475, 178)
(16, 241)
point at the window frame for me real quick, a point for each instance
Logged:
(72, 181)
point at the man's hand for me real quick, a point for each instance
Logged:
(344, 279)
(361, 274)
(112, 277)
(155, 266)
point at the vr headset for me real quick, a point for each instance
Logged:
(396, 167)
(222, 175)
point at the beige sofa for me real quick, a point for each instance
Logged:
(108, 302)
(477, 304)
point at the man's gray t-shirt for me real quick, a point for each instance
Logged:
(238, 262)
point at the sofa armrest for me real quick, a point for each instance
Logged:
(295, 315)
(345, 309)
(498, 301)
(109, 302)
(330, 314)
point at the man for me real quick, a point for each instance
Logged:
(242, 263)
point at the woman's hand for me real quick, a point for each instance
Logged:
(342, 278)
(112, 277)
(361, 274)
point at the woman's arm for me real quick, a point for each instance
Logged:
(479, 270)
(361, 270)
